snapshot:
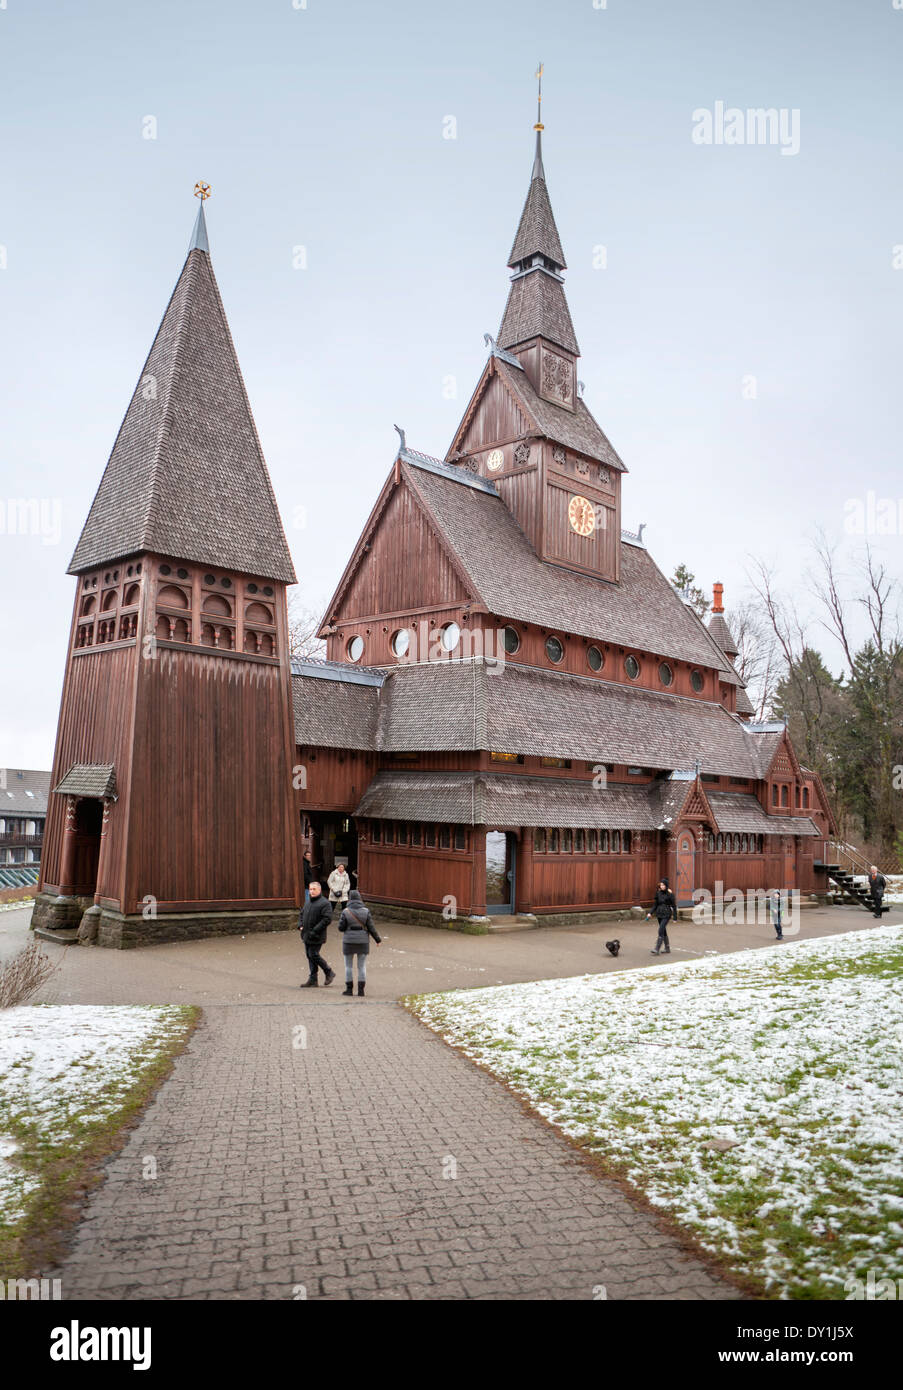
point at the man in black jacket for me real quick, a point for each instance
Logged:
(877, 885)
(664, 907)
(316, 916)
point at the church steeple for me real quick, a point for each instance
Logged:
(187, 476)
(537, 307)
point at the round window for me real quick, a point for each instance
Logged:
(554, 649)
(632, 667)
(595, 659)
(401, 641)
(355, 648)
(665, 674)
(165, 569)
(451, 636)
(696, 681)
(511, 639)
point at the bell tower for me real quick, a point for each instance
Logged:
(170, 812)
(527, 428)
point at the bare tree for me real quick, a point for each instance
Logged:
(23, 976)
(757, 662)
(303, 626)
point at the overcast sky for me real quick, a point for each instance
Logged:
(741, 341)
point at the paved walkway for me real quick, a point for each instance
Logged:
(320, 1172)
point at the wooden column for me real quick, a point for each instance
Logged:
(478, 879)
(524, 873)
(67, 853)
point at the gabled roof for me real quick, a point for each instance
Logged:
(187, 477)
(23, 792)
(89, 779)
(504, 571)
(576, 429)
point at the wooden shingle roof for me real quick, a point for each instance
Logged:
(536, 231)
(467, 798)
(186, 476)
(537, 306)
(642, 611)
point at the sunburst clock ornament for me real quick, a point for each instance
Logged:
(202, 190)
(581, 516)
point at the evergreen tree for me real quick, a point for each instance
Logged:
(685, 584)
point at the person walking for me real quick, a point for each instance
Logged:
(356, 926)
(339, 886)
(316, 916)
(776, 907)
(664, 908)
(877, 884)
(308, 875)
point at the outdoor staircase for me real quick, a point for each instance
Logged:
(850, 890)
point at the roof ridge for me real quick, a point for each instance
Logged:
(189, 274)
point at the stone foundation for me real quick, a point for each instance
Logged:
(118, 931)
(55, 911)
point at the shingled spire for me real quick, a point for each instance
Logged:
(536, 302)
(187, 476)
(718, 625)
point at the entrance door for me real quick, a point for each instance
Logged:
(333, 838)
(789, 858)
(501, 853)
(86, 849)
(686, 869)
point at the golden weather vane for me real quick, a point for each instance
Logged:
(538, 75)
(202, 190)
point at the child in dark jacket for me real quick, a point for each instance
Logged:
(356, 926)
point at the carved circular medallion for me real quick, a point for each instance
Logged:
(581, 516)
(494, 460)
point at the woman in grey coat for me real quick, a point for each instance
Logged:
(356, 926)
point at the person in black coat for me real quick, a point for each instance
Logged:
(316, 916)
(356, 926)
(877, 885)
(664, 908)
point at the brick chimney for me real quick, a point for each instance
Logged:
(717, 593)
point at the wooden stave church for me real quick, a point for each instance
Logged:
(517, 714)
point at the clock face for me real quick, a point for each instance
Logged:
(494, 460)
(581, 516)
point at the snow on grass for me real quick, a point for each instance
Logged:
(786, 1060)
(64, 1073)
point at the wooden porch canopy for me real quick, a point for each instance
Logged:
(89, 779)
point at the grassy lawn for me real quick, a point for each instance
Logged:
(72, 1078)
(755, 1098)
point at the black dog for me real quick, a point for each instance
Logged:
(613, 946)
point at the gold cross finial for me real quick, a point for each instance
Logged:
(538, 75)
(202, 190)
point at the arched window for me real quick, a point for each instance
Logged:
(171, 596)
